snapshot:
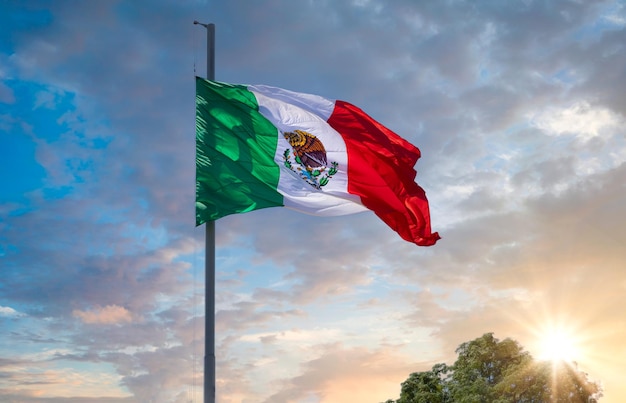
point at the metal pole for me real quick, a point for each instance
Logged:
(209, 263)
(210, 51)
(209, 314)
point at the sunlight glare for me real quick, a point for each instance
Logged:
(558, 345)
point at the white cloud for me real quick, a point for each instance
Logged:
(294, 335)
(580, 119)
(9, 312)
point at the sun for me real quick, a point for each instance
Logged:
(558, 344)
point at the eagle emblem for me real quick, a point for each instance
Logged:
(310, 156)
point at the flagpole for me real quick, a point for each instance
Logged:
(209, 262)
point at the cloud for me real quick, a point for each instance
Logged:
(108, 315)
(31, 380)
(249, 314)
(580, 119)
(293, 335)
(342, 374)
(9, 312)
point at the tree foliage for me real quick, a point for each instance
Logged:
(425, 386)
(489, 370)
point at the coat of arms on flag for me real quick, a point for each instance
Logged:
(310, 156)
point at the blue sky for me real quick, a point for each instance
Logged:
(518, 108)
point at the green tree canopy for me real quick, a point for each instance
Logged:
(489, 370)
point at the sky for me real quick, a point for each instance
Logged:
(519, 111)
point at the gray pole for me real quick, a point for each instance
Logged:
(209, 263)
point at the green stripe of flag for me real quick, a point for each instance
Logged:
(235, 148)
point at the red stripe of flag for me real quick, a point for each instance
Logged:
(381, 171)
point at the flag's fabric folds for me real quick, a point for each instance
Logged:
(260, 146)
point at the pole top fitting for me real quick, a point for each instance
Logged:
(199, 23)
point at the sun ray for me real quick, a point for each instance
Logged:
(558, 343)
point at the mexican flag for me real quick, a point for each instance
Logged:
(259, 146)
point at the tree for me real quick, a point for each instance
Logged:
(527, 382)
(425, 387)
(488, 370)
(482, 364)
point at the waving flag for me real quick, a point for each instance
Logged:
(260, 146)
